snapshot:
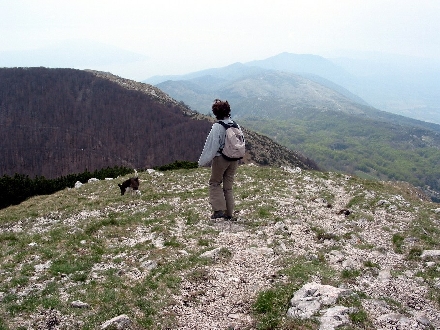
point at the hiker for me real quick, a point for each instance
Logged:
(223, 148)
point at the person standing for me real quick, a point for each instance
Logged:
(223, 168)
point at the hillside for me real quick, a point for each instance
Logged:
(309, 248)
(367, 147)
(56, 122)
(326, 124)
(257, 86)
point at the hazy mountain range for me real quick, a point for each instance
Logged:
(400, 85)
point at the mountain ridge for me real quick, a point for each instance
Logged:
(261, 83)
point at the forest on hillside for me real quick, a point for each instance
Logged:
(368, 148)
(55, 122)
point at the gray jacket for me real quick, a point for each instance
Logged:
(214, 142)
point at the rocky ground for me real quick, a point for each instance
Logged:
(367, 253)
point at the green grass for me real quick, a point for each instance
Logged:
(358, 317)
(322, 235)
(398, 240)
(271, 305)
(370, 264)
(350, 274)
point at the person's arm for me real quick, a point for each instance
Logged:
(212, 145)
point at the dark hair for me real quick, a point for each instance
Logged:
(221, 109)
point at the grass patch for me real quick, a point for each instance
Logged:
(357, 200)
(204, 242)
(265, 212)
(358, 317)
(270, 306)
(322, 235)
(370, 264)
(414, 253)
(224, 255)
(8, 237)
(69, 264)
(172, 242)
(199, 275)
(191, 218)
(95, 226)
(350, 274)
(398, 241)
(424, 228)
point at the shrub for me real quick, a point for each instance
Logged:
(178, 164)
(16, 189)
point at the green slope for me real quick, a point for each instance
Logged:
(361, 146)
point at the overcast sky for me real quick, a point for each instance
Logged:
(183, 36)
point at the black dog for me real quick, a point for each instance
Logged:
(131, 184)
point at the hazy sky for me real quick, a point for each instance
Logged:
(183, 36)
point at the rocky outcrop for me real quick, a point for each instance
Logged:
(311, 297)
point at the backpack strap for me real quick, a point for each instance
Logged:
(226, 126)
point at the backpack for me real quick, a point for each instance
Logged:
(234, 148)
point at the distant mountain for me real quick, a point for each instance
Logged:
(244, 84)
(406, 86)
(270, 93)
(401, 85)
(304, 64)
(230, 72)
(300, 64)
(56, 122)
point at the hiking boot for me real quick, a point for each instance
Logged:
(218, 214)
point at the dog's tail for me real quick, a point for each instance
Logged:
(135, 173)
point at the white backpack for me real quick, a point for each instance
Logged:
(234, 148)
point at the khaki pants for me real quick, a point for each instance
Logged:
(222, 198)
